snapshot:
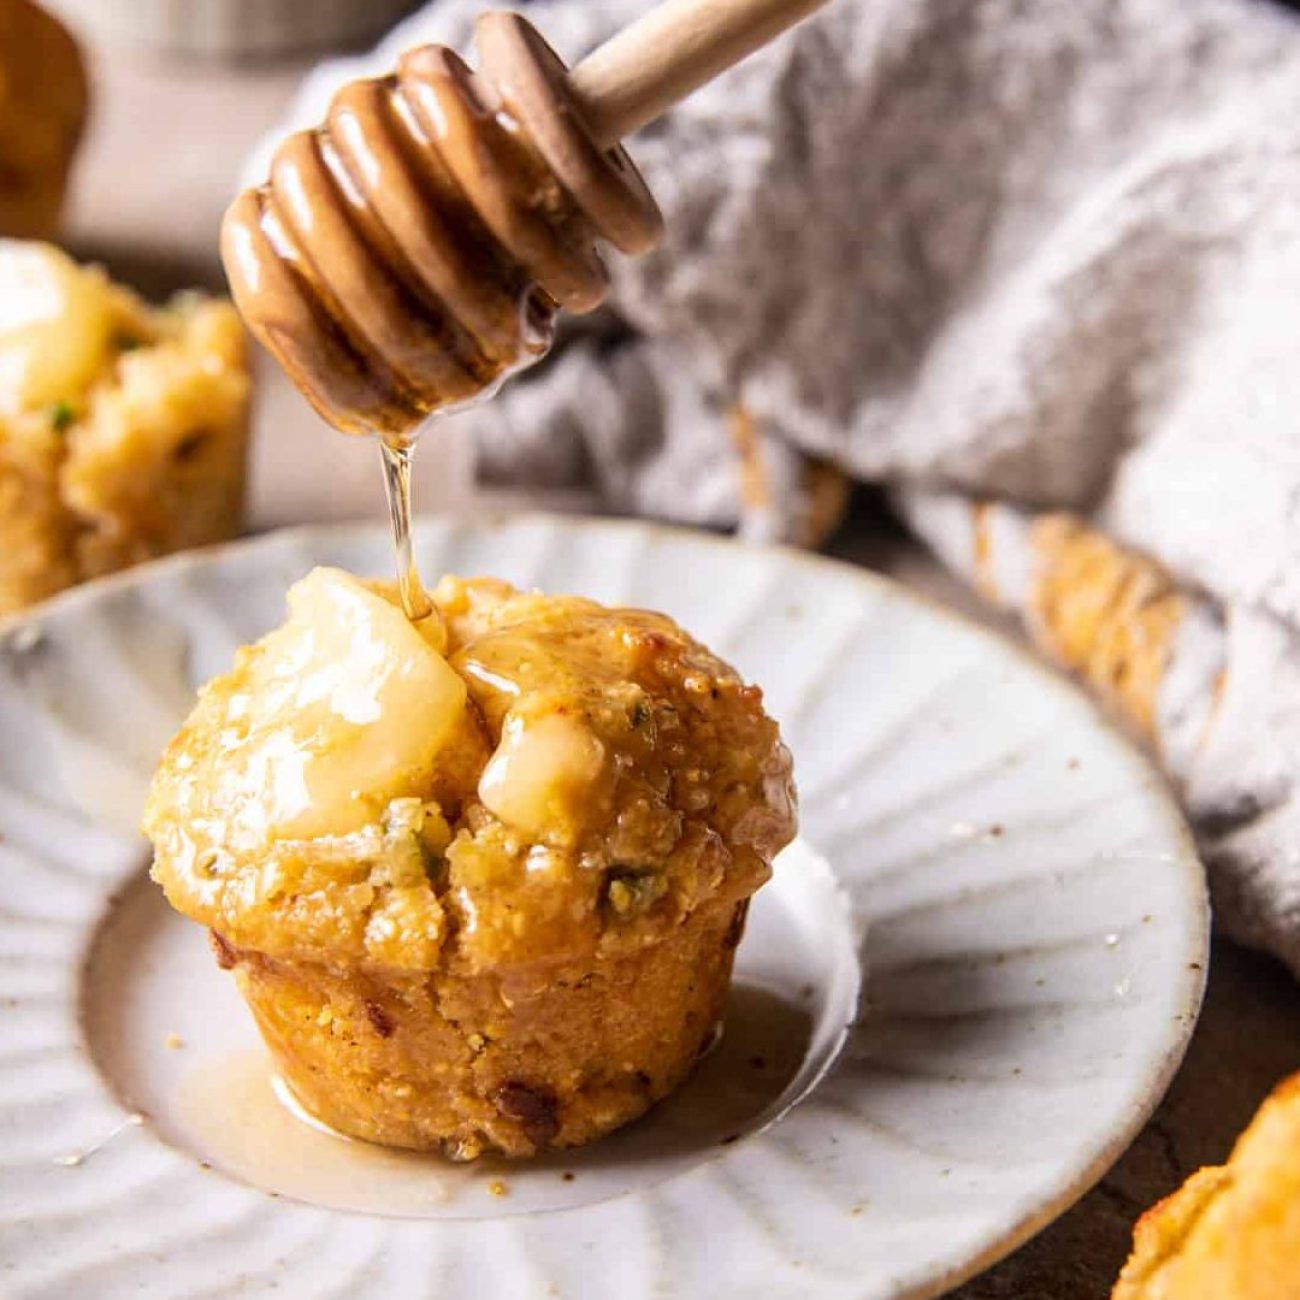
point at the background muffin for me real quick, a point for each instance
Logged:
(482, 877)
(123, 427)
(1231, 1232)
(43, 105)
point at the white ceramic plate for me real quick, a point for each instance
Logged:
(938, 1043)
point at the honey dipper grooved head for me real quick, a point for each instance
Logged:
(414, 248)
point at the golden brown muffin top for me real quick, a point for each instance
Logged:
(115, 418)
(519, 779)
(72, 342)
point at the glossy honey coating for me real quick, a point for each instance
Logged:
(481, 878)
(414, 248)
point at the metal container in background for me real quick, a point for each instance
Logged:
(233, 30)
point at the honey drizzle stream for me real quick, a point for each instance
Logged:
(397, 484)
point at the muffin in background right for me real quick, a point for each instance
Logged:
(1231, 1232)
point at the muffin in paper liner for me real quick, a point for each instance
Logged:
(480, 878)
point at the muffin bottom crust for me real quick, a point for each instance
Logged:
(515, 1062)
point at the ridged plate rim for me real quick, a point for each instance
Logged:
(1164, 848)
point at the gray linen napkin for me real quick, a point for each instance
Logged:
(1043, 254)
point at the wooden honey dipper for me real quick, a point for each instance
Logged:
(413, 250)
(410, 251)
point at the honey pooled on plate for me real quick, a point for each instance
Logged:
(123, 427)
(481, 878)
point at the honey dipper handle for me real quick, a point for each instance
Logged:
(668, 52)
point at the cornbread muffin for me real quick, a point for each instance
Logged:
(43, 104)
(481, 878)
(1231, 1232)
(123, 427)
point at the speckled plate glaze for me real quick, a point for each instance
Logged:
(994, 928)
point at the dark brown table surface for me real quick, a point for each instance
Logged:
(158, 168)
